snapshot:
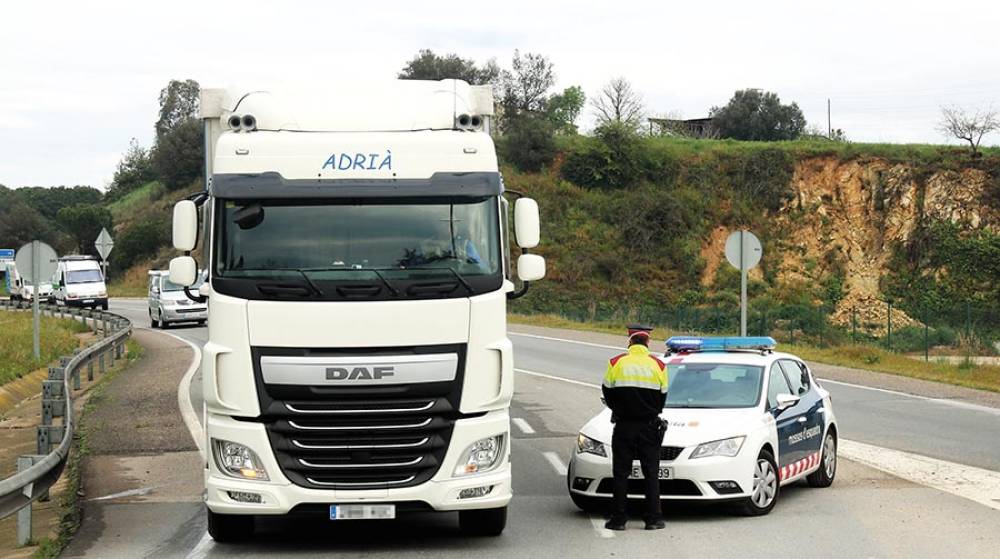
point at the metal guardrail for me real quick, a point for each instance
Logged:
(37, 473)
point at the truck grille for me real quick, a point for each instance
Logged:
(366, 437)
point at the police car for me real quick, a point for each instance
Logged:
(744, 420)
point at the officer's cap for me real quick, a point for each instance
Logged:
(635, 330)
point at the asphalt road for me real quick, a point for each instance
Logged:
(866, 513)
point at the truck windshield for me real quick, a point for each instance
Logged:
(713, 385)
(84, 276)
(402, 249)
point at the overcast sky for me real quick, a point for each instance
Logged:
(79, 79)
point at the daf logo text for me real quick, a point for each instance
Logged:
(360, 373)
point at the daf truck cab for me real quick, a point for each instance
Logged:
(79, 282)
(357, 363)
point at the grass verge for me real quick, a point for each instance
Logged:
(57, 337)
(966, 373)
(69, 502)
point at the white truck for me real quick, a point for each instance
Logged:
(19, 290)
(358, 364)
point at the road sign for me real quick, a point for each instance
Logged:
(44, 255)
(36, 262)
(6, 255)
(746, 253)
(743, 251)
(104, 244)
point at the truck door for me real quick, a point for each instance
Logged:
(789, 422)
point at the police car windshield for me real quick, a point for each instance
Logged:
(713, 385)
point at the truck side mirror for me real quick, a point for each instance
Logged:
(183, 271)
(530, 267)
(526, 223)
(185, 232)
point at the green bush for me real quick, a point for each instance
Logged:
(139, 242)
(528, 142)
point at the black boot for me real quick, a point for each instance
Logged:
(655, 524)
(617, 524)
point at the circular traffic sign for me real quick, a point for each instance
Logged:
(745, 244)
(47, 259)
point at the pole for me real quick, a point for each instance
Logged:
(927, 351)
(888, 336)
(743, 286)
(829, 125)
(36, 270)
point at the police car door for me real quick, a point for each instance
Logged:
(810, 404)
(789, 422)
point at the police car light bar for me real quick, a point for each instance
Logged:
(678, 344)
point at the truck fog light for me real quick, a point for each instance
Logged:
(474, 492)
(483, 455)
(245, 497)
(238, 461)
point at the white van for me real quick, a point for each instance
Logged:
(168, 304)
(79, 283)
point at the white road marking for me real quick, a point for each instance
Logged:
(598, 523)
(556, 462)
(205, 544)
(523, 426)
(553, 377)
(130, 493)
(578, 342)
(945, 401)
(975, 484)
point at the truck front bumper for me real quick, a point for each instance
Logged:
(279, 496)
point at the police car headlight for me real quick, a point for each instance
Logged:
(725, 447)
(481, 456)
(585, 444)
(237, 460)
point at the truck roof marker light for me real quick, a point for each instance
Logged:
(687, 344)
(235, 122)
(249, 123)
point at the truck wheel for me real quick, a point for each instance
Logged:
(483, 522)
(104, 306)
(229, 527)
(766, 486)
(823, 477)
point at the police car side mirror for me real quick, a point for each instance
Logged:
(786, 401)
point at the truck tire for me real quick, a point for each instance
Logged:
(104, 306)
(229, 527)
(483, 522)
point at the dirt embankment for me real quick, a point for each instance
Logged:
(845, 217)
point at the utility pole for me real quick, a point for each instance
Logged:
(829, 125)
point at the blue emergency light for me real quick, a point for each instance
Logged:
(686, 344)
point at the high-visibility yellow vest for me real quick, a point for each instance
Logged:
(636, 369)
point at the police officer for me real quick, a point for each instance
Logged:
(635, 388)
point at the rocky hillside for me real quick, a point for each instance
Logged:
(845, 228)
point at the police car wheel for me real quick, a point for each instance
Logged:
(764, 493)
(823, 477)
(229, 527)
(483, 522)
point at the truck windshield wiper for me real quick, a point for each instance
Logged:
(316, 290)
(385, 281)
(458, 276)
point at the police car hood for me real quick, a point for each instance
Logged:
(687, 426)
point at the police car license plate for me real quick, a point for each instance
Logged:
(362, 512)
(663, 473)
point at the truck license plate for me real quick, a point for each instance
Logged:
(663, 473)
(362, 512)
(88, 301)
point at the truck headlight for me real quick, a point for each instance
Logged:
(481, 456)
(585, 444)
(238, 461)
(725, 447)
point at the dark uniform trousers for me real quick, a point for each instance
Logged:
(636, 439)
